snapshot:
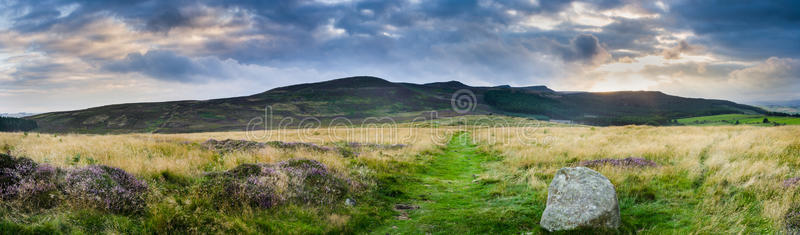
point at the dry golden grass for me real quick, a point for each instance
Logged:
(144, 154)
(724, 161)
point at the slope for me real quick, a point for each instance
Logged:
(371, 99)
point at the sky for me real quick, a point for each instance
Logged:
(72, 54)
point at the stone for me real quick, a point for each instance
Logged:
(579, 197)
(350, 202)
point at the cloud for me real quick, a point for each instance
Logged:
(165, 65)
(772, 73)
(585, 48)
(747, 29)
(676, 51)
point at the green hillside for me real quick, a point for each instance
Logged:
(363, 99)
(612, 108)
(742, 119)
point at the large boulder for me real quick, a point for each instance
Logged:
(580, 197)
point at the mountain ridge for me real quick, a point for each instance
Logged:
(362, 97)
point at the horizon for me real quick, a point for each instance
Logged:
(268, 89)
(76, 54)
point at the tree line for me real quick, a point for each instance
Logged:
(16, 124)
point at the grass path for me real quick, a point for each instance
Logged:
(450, 199)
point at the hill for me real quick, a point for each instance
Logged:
(740, 119)
(362, 99)
(612, 108)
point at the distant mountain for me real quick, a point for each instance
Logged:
(612, 108)
(537, 88)
(361, 99)
(782, 109)
(786, 103)
(785, 106)
(17, 115)
(448, 85)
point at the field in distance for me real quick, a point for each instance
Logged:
(743, 119)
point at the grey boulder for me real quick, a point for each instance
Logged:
(580, 197)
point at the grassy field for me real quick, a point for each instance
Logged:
(471, 180)
(744, 119)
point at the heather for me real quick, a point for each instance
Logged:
(229, 145)
(41, 186)
(263, 185)
(344, 148)
(106, 188)
(625, 162)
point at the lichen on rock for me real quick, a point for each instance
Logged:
(579, 197)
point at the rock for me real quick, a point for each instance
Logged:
(350, 202)
(580, 197)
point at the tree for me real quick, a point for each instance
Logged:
(737, 122)
(765, 120)
(16, 124)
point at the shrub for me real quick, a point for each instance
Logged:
(267, 185)
(12, 171)
(792, 220)
(296, 145)
(312, 183)
(256, 185)
(625, 162)
(36, 186)
(107, 188)
(42, 188)
(229, 145)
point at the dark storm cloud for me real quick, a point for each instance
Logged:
(585, 48)
(751, 29)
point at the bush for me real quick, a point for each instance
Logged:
(12, 171)
(42, 188)
(312, 183)
(256, 185)
(792, 220)
(625, 162)
(267, 185)
(297, 145)
(107, 188)
(36, 186)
